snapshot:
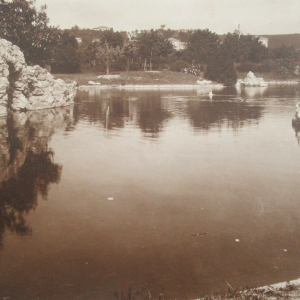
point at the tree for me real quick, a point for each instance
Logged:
(221, 67)
(24, 26)
(201, 46)
(67, 56)
(284, 58)
(153, 48)
(130, 53)
(244, 48)
(114, 39)
(90, 54)
(106, 55)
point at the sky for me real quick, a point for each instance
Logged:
(256, 17)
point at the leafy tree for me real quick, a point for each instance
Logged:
(25, 26)
(221, 67)
(90, 54)
(114, 39)
(66, 56)
(153, 48)
(106, 55)
(201, 46)
(242, 48)
(130, 54)
(284, 58)
(75, 28)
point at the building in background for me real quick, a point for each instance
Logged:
(264, 40)
(101, 28)
(178, 45)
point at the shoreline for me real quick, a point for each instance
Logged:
(149, 86)
(161, 80)
(175, 86)
(281, 290)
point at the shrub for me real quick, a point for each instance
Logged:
(221, 69)
(193, 71)
(178, 65)
(265, 66)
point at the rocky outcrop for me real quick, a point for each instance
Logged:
(251, 80)
(25, 87)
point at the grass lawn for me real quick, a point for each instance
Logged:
(133, 77)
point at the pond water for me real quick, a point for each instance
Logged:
(168, 192)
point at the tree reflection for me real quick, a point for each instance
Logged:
(26, 164)
(217, 114)
(296, 127)
(19, 194)
(148, 112)
(95, 112)
(152, 116)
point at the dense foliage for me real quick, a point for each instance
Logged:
(153, 49)
(221, 68)
(217, 57)
(66, 56)
(25, 26)
(201, 46)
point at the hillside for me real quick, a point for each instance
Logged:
(286, 39)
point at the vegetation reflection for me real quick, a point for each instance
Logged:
(27, 165)
(149, 110)
(231, 114)
(19, 194)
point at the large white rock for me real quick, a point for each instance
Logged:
(252, 80)
(25, 87)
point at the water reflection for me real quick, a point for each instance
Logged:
(296, 127)
(19, 194)
(145, 110)
(231, 114)
(152, 115)
(252, 92)
(155, 205)
(26, 164)
(149, 110)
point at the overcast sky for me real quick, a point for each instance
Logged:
(255, 17)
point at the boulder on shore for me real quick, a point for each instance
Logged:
(25, 87)
(204, 82)
(252, 80)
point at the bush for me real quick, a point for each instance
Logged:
(221, 69)
(265, 66)
(193, 71)
(178, 65)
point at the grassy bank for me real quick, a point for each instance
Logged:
(132, 78)
(155, 78)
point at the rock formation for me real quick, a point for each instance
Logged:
(25, 87)
(251, 80)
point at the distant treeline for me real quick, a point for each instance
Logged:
(199, 51)
(274, 40)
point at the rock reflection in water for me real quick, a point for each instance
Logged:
(26, 164)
